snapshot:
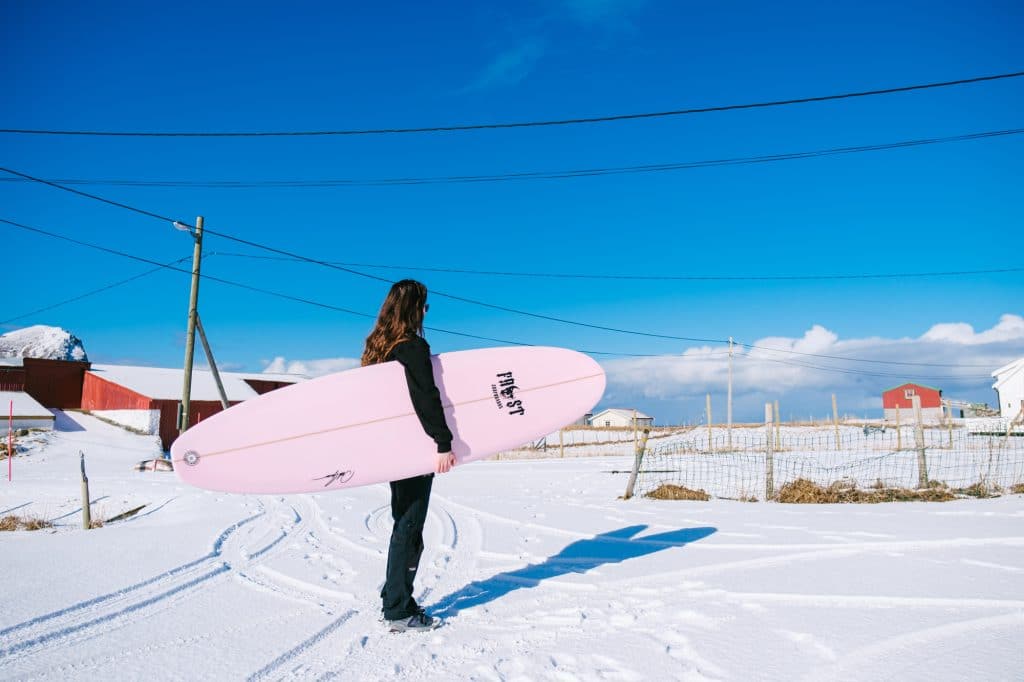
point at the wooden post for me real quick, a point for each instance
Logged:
(86, 511)
(635, 438)
(213, 365)
(922, 461)
(835, 419)
(778, 428)
(561, 443)
(769, 455)
(190, 336)
(638, 457)
(899, 435)
(950, 423)
(728, 403)
(710, 446)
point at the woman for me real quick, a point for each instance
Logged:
(398, 335)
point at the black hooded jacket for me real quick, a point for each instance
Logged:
(414, 354)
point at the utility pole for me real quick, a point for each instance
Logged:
(728, 408)
(190, 337)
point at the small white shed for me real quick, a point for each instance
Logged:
(1009, 386)
(615, 416)
(28, 413)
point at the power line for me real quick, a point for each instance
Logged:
(531, 124)
(358, 273)
(94, 291)
(840, 357)
(682, 278)
(284, 296)
(95, 197)
(842, 370)
(531, 175)
(434, 292)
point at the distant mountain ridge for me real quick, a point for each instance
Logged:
(41, 341)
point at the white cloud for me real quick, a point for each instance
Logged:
(775, 369)
(511, 66)
(310, 368)
(1010, 327)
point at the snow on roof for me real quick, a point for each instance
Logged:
(624, 413)
(911, 383)
(162, 383)
(24, 405)
(40, 341)
(1004, 373)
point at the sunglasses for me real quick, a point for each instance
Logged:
(426, 307)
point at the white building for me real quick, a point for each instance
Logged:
(621, 417)
(22, 411)
(1009, 386)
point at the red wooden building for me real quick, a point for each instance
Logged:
(902, 397)
(53, 383)
(147, 398)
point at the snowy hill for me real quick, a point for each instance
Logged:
(40, 341)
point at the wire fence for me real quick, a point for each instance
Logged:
(756, 463)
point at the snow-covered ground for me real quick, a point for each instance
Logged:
(540, 572)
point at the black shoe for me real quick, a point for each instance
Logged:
(420, 622)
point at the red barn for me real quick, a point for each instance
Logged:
(146, 399)
(901, 397)
(53, 383)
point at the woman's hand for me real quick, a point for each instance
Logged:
(445, 462)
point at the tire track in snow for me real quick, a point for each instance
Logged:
(454, 541)
(302, 648)
(74, 670)
(857, 663)
(94, 617)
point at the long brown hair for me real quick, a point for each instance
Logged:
(400, 317)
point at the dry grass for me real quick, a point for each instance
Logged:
(981, 490)
(12, 522)
(803, 491)
(667, 491)
(1017, 489)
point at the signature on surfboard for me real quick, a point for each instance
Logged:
(337, 477)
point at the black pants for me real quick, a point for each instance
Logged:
(409, 498)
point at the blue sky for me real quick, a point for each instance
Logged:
(273, 66)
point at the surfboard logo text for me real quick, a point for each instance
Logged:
(337, 477)
(505, 394)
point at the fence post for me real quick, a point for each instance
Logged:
(561, 443)
(899, 435)
(637, 460)
(634, 430)
(778, 427)
(769, 456)
(922, 461)
(86, 511)
(835, 419)
(710, 447)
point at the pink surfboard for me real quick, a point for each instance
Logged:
(358, 427)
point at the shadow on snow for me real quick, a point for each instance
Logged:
(579, 557)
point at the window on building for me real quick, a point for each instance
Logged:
(908, 393)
